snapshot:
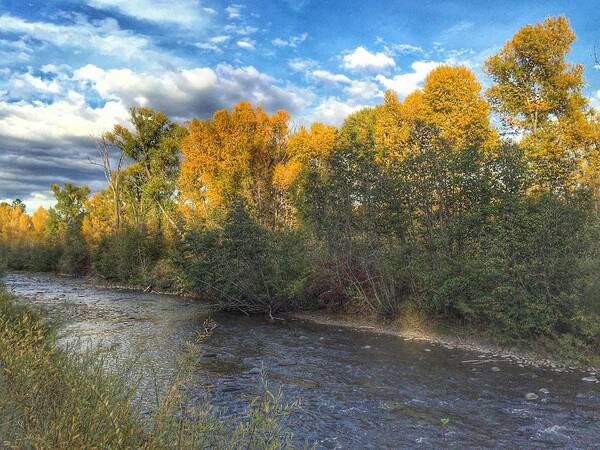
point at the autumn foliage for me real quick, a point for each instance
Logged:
(419, 203)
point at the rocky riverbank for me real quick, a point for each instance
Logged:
(491, 353)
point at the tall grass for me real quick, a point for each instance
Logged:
(54, 399)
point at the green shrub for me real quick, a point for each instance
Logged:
(242, 265)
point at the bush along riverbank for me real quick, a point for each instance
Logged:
(419, 205)
(52, 398)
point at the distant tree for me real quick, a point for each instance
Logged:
(18, 204)
(70, 206)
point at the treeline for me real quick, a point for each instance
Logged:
(468, 207)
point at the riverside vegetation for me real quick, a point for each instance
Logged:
(475, 209)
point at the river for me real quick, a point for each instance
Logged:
(358, 389)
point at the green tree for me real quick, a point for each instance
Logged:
(65, 222)
(153, 145)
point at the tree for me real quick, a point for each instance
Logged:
(70, 206)
(230, 156)
(65, 222)
(39, 223)
(153, 145)
(453, 103)
(450, 102)
(113, 175)
(305, 149)
(539, 95)
(533, 82)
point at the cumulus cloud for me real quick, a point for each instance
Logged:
(333, 111)
(329, 78)
(354, 89)
(363, 89)
(26, 85)
(186, 13)
(45, 143)
(69, 120)
(193, 92)
(363, 59)
(406, 83)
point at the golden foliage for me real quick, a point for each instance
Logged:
(99, 219)
(231, 155)
(15, 224)
(450, 102)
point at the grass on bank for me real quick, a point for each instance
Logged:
(54, 399)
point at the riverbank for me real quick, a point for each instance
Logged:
(408, 327)
(55, 397)
(490, 351)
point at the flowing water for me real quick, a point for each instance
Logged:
(358, 389)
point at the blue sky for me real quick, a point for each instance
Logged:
(69, 69)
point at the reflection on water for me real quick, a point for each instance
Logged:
(358, 389)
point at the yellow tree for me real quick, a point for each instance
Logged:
(232, 155)
(533, 82)
(539, 95)
(450, 101)
(99, 220)
(39, 223)
(392, 126)
(15, 224)
(453, 103)
(311, 147)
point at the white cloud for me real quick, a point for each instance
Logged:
(186, 13)
(362, 59)
(363, 89)
(246, 44)
(220, 39)
(355, 89)
(292, 41)
(103, 37)
(214, 43)
(45, 143)
(194, 92)
(25, 85)
(333, 111)
(329, 78)
(301, 65)
(406, 83)
(14, 50)
(234, 11)
(242, 30)
(405, 49)
(68, 119)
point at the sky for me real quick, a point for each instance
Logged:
(71, 69)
